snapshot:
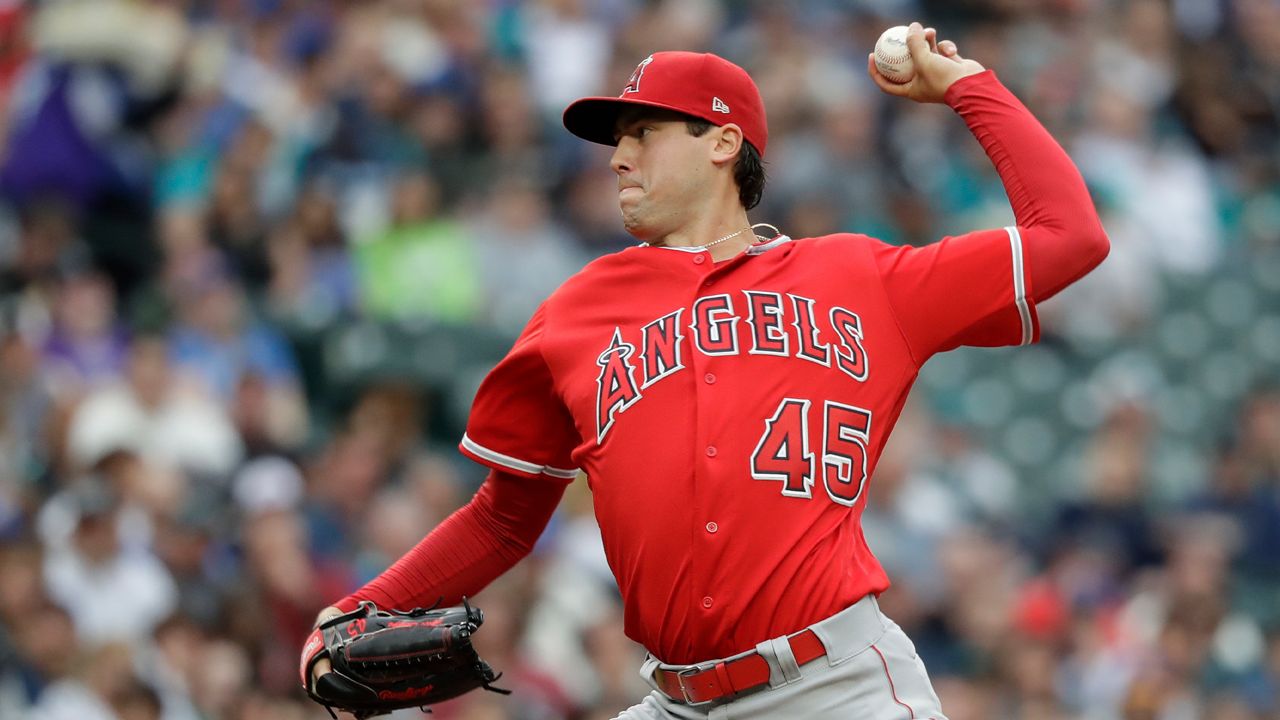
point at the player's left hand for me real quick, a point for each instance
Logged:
(937, 65)
(385, 660)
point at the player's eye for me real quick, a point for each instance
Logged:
(635, 131)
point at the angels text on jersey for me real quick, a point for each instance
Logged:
(784, 325)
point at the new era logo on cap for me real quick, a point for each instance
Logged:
(698, 84)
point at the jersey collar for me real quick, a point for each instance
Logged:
(756, 249)
(764, 247)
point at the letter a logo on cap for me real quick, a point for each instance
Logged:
(718, 105)
(633, 84)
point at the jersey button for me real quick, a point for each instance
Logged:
(712, 527)
(707, 602)
(711, 451)
(699, 259)
(710, 378)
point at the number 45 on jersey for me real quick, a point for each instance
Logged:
(783, 452)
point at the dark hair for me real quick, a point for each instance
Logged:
(748, 172)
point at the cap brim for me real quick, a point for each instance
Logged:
(596, 118)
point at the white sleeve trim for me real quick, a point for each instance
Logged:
(507, 461)
(1020, 285)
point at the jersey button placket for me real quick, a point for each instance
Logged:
(706, 398)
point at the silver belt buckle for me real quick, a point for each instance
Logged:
(680, 676)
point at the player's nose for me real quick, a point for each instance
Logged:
(622, 159)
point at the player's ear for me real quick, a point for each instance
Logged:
(728, 141)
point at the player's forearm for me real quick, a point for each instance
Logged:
(1043, 185)
(1062, 236)
(470, 549)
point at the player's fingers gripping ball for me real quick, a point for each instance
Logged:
(893, 57)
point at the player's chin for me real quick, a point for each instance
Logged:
(636, 227)
(632, 219)
(633, 229)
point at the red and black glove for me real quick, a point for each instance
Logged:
(385, 660)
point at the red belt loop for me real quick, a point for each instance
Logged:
(726, 683)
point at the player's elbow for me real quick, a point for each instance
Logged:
(1094, 243)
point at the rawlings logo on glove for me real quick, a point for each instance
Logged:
(385, 660)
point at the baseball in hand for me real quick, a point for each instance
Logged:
(893, 60)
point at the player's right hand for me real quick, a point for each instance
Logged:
(937, 65)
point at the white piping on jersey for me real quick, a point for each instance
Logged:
(515, 463)
(1020, 285)
(767, 246)
(670, 247)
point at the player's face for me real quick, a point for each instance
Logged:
(663, 172)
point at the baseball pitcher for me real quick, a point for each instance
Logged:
(727, 395)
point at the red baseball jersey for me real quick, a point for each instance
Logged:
(729, 416)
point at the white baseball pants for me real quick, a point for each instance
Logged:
(870, 672)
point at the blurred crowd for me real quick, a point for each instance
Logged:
(256, 254)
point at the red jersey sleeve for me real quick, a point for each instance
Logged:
(518, 423)
(472, 547)
(971, 289)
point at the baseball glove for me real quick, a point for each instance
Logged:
(384, 661)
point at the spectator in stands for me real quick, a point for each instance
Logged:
(86, 345)
(114, 593)
(152, 413)
(422, 266)
(516, 222)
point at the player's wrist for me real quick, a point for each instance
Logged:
(963, 84)
(327, 614)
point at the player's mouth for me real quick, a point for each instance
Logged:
(629, 195)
